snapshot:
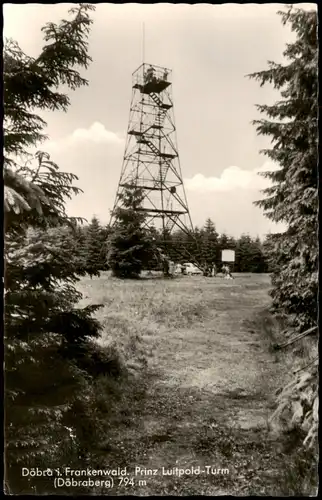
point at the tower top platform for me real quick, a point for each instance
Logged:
(150, 78)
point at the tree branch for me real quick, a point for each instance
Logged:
(296, 338)
(308, 365)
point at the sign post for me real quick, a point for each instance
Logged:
(228, 257)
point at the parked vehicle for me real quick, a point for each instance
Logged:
(191, 269)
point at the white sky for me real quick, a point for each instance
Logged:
(210, 49)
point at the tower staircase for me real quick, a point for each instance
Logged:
(143, 140)
(163, 170)
(159, 102)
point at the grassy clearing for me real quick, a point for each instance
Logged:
(207, 389)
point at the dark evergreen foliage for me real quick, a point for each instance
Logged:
(250, 255)
(48, 393)
(209, 244)
(291, 124)
(95, 248)
(131, 246)
(204, 247)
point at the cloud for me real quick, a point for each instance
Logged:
(229, 200)
(230, 179)
(96, 133)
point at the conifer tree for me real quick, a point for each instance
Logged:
(270, 259)
(244, 253)
(79, 240)
(95, 248)
(177, 247)
(249, 255)
(259, 264)
(209, 245)
(130, 246)
(291, 124)
(44, 328)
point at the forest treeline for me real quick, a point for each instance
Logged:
(90, 243)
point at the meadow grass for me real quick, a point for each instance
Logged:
(201, 385)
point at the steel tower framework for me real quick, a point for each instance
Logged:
(151, 159)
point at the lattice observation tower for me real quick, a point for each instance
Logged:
(151, 159)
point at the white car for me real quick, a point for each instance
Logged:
(191, 269)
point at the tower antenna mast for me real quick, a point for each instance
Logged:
(143, 43)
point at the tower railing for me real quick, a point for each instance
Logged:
(150, 78)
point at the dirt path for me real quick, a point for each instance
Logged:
(209, 397)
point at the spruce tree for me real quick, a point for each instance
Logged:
(177, 249)
(249, 255)
(191, 246)
(209, 243)
(160, 246)
(79, 240)
(95, 248)
(244, 254)
(130, 246)
(259, 264)
(270, 259)
(47, 394)
(291, 124)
